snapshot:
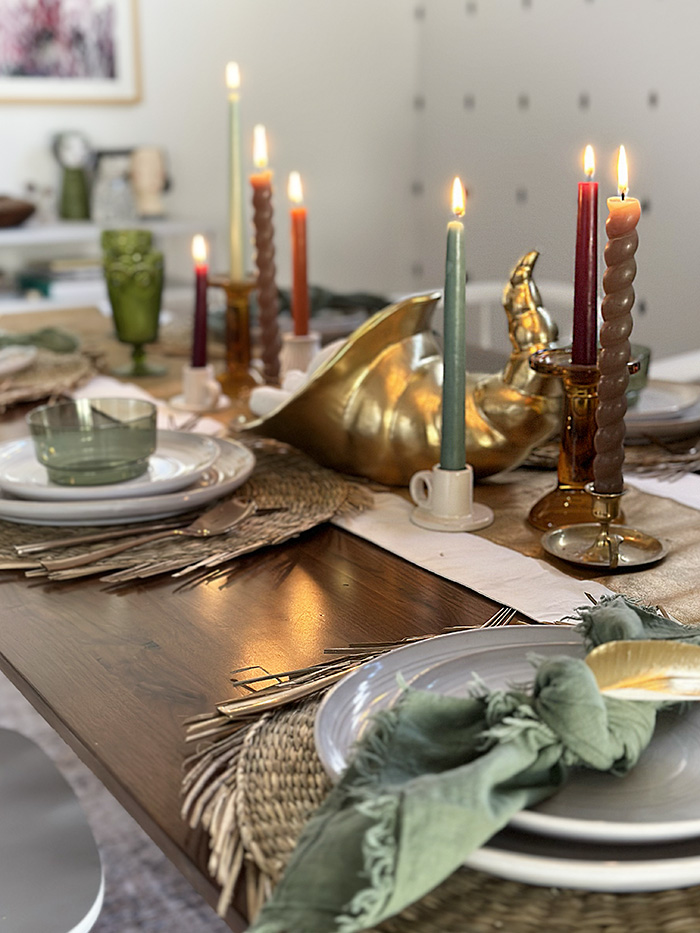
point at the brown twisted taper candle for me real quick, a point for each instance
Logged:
(268, 301)
(620, 227)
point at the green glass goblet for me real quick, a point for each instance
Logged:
(135, 287)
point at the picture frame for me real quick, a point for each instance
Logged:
(70, 52)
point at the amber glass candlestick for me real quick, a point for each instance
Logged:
(237, 379)
(568, 502)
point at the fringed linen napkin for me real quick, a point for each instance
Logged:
(438, 776)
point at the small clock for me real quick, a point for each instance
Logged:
(72, 149)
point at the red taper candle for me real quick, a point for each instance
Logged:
(300, 285)
(201, 269)
(584, 348)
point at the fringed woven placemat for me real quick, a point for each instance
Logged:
(253, 789)
(292, 493)
(663, 459)
(49, 374)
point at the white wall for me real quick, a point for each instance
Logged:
(330, 82)
(378, 103)
(636, 61)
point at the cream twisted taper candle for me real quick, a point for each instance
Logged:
(620, 228)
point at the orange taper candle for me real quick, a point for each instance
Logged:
(300, 285)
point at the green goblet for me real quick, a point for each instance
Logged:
(134, 276)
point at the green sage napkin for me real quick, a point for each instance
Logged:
(47, 338)
(438, 776)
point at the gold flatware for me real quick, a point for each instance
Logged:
(287, 686)
(48, 544)
(216, 521)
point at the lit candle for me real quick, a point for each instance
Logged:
(300, 285)
(268, 302)
(235, 202)
(199, 341)
(584, 348)
(620, 227)
(453, 442)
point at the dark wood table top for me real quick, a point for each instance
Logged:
(116, 673)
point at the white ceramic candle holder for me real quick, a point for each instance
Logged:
(445, 500)
(298, 351)
(201, 390)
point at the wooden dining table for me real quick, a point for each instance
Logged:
(117, 672)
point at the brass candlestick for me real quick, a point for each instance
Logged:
(569, 503)
(237, 375)
(237, 379)
(596, 544)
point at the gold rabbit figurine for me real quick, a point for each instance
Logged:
(373, 408)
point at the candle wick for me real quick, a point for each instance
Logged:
(622, 195)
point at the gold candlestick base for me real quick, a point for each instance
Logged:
(237, 379)
(596, 544)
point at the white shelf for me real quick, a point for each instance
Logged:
(38, 234)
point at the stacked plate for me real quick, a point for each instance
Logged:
(664, 409)
(185, 472)
(600, 832)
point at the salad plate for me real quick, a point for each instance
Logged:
(233, 465)
(180, 458)
(14, 359)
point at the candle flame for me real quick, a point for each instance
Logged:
(622, 177)
(589, 162)
(457, 197)
(233, 76)
(294, 189)
(199, 249)
(259, 146)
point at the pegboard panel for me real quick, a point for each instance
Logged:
(507, 95)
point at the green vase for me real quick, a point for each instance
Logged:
(75, 197)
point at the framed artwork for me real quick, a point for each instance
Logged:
(69, 52)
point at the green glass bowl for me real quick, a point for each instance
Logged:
(90, 442)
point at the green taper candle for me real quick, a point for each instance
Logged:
(453, 442)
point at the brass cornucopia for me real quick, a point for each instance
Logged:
(373, 408)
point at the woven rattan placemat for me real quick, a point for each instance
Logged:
(271, 780)
(49, 374)
(299, 494)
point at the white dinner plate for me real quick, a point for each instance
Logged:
(14, 359)
(661, 399)
(539, 860)
(347, 709)
(231, 469)
(180, 458)
(657, 801)
(685, 422)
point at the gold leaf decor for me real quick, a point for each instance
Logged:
(647, 670)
